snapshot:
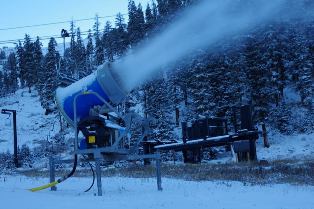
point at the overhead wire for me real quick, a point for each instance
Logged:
(47, 37)
(56, 23)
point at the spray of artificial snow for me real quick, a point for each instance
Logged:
(201, 26)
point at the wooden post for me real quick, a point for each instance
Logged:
(265, 138)
(177, 116)
(158, 173)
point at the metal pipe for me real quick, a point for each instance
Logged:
(15, 139)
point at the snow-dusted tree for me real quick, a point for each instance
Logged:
(21, 63)
(89, 53)
(38, 61)
(259, 79)
(80, 55)
(136, 23)
(150, 20)
(11, 72)
(158, 107)
(107, 40)
(50, 71)
(69, 55)
(119, 36)
(99, 48)
(29, 74)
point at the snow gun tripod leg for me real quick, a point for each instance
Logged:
(98, 173)
(158, 173)
(52, 172)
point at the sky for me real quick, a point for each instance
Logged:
(15, 13)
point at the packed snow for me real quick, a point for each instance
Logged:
(142, 193)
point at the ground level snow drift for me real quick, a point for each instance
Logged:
(142, 193)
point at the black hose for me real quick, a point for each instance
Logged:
(72, 171)
(91, 167)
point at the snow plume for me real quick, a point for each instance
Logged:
(200, 26)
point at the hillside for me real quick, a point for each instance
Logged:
(35, 129)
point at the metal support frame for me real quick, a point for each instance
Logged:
(114, 152)
(99, 158)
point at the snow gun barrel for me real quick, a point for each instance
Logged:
(103, 82)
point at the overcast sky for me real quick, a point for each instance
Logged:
(15, 13)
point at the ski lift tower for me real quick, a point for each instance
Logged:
(9, 112)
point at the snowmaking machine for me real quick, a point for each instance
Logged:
(90, 106)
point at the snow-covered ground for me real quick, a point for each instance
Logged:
(142, 193)
(287, 147)
(33, 126)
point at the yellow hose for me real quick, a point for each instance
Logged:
(44, 186)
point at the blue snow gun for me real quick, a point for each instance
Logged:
(103, 82)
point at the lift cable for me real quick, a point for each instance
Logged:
(56, 23)
(14, 41)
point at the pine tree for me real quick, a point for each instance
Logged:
(89, 53)
(99, 52)
(70, 55)
(11, 72)
(158, 107)
(96, 27)
(21, 63)
(120, 36)
(50, 70)
(163, 8)
(107, 40)
(140, 22)
(99, 48)
(29, 75)
(273, 57)
(38, 61)
(259, 79)
(174, 6)
(80, 55)
(150, 20)
(136, 24)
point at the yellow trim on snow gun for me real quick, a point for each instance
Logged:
(44, 186)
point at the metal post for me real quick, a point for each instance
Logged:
(98, 173)
(15, 140)
(52, 172)
(158, 172)
(75, 125)
(9, 112)
(63, 45)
